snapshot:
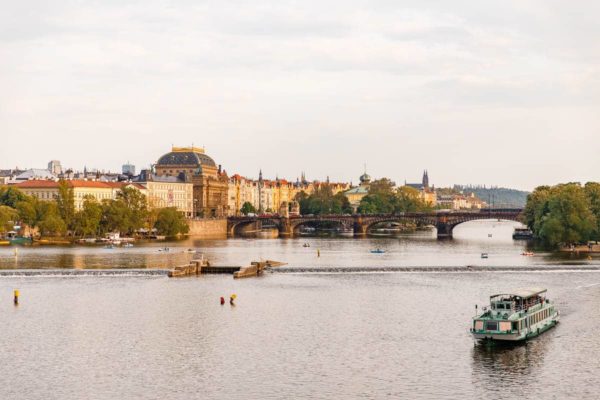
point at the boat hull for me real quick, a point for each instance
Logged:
(514, 337)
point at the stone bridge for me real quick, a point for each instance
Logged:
(444, 221)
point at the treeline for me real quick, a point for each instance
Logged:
(323, 202)
(127, 214)
(382, 198)
(564, 214)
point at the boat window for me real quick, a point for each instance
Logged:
(500, 306)
(491, 325)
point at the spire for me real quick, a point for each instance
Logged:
(260, 178)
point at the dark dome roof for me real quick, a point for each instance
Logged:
(186, 158)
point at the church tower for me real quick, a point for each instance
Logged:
(425, 180)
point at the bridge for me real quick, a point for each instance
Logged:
(444, 221)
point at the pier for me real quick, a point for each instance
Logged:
(203, 266)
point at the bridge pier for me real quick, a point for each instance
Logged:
(444, 230)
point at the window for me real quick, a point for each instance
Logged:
(491, 325)
(500, 306)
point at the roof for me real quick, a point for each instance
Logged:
(186, 156)
(523, 293)
(35, 173)
(358, 190)
(75, 183)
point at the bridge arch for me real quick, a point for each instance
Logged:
(296, 225)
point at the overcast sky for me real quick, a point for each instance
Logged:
(495, 92)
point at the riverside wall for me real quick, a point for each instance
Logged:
(210, 228)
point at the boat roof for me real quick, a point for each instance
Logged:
(523, 293)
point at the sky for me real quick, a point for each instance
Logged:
(500, 93)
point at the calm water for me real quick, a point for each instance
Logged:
(294, 334)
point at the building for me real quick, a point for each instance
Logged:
(128, 169)
(168, 191)
(32, 174)
(210, 183)
(55, 168)
(428, 194)
(459, 201)
(271, 196)
(356, 194)
(48, 190)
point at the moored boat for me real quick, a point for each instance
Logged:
(520, 315)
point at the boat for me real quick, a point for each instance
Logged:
(306, 245)
(165, 249)
(527, 253)
(128, 245)
(378, 251)
(516, 316)
(484, 255)
(109, 246)
(522, 234)
(190, 251)
(14, 238)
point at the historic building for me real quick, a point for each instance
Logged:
(356, 194)
(168, 191)
(210, 183)
(47, 190)
(272, 196)
(427, 192)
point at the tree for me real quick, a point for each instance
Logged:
(66, 203)
(322, 201)
(52, 224)
(247, 208)
(10, 196)
(561, 214)
(171, 222)
(87, 220)
(136, 203)
(409, 200)
(8, 217)
(592, 192)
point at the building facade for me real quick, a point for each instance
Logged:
(168, 191)
(48, 190)
(271, 196)
(210, 183)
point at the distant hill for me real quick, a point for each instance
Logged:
(496, 196)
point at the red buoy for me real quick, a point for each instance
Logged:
(222, 300)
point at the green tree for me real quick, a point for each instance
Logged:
(30, 212)
(8, 216)
(409, 200)
(87, 220)
(322, 201)
(52, 224)
(10, 196)
(592, 192)
(135, 202)
(247, 208)
(66, 203)
(560, 214)
(171, 222)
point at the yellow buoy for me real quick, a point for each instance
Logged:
(233, 296)
(16, 299)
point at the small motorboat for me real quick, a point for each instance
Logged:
(165, 249)
(109, 246)
(489, 235)
(128, 245)
(484, 255)
(306, 245)
(378, 251)
(527, 253)
(192, 251)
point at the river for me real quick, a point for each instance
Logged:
(346, 325)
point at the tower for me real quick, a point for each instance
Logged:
(425, 180)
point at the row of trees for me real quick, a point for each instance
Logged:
(126, 214)
(383, 198)
(564, 214)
